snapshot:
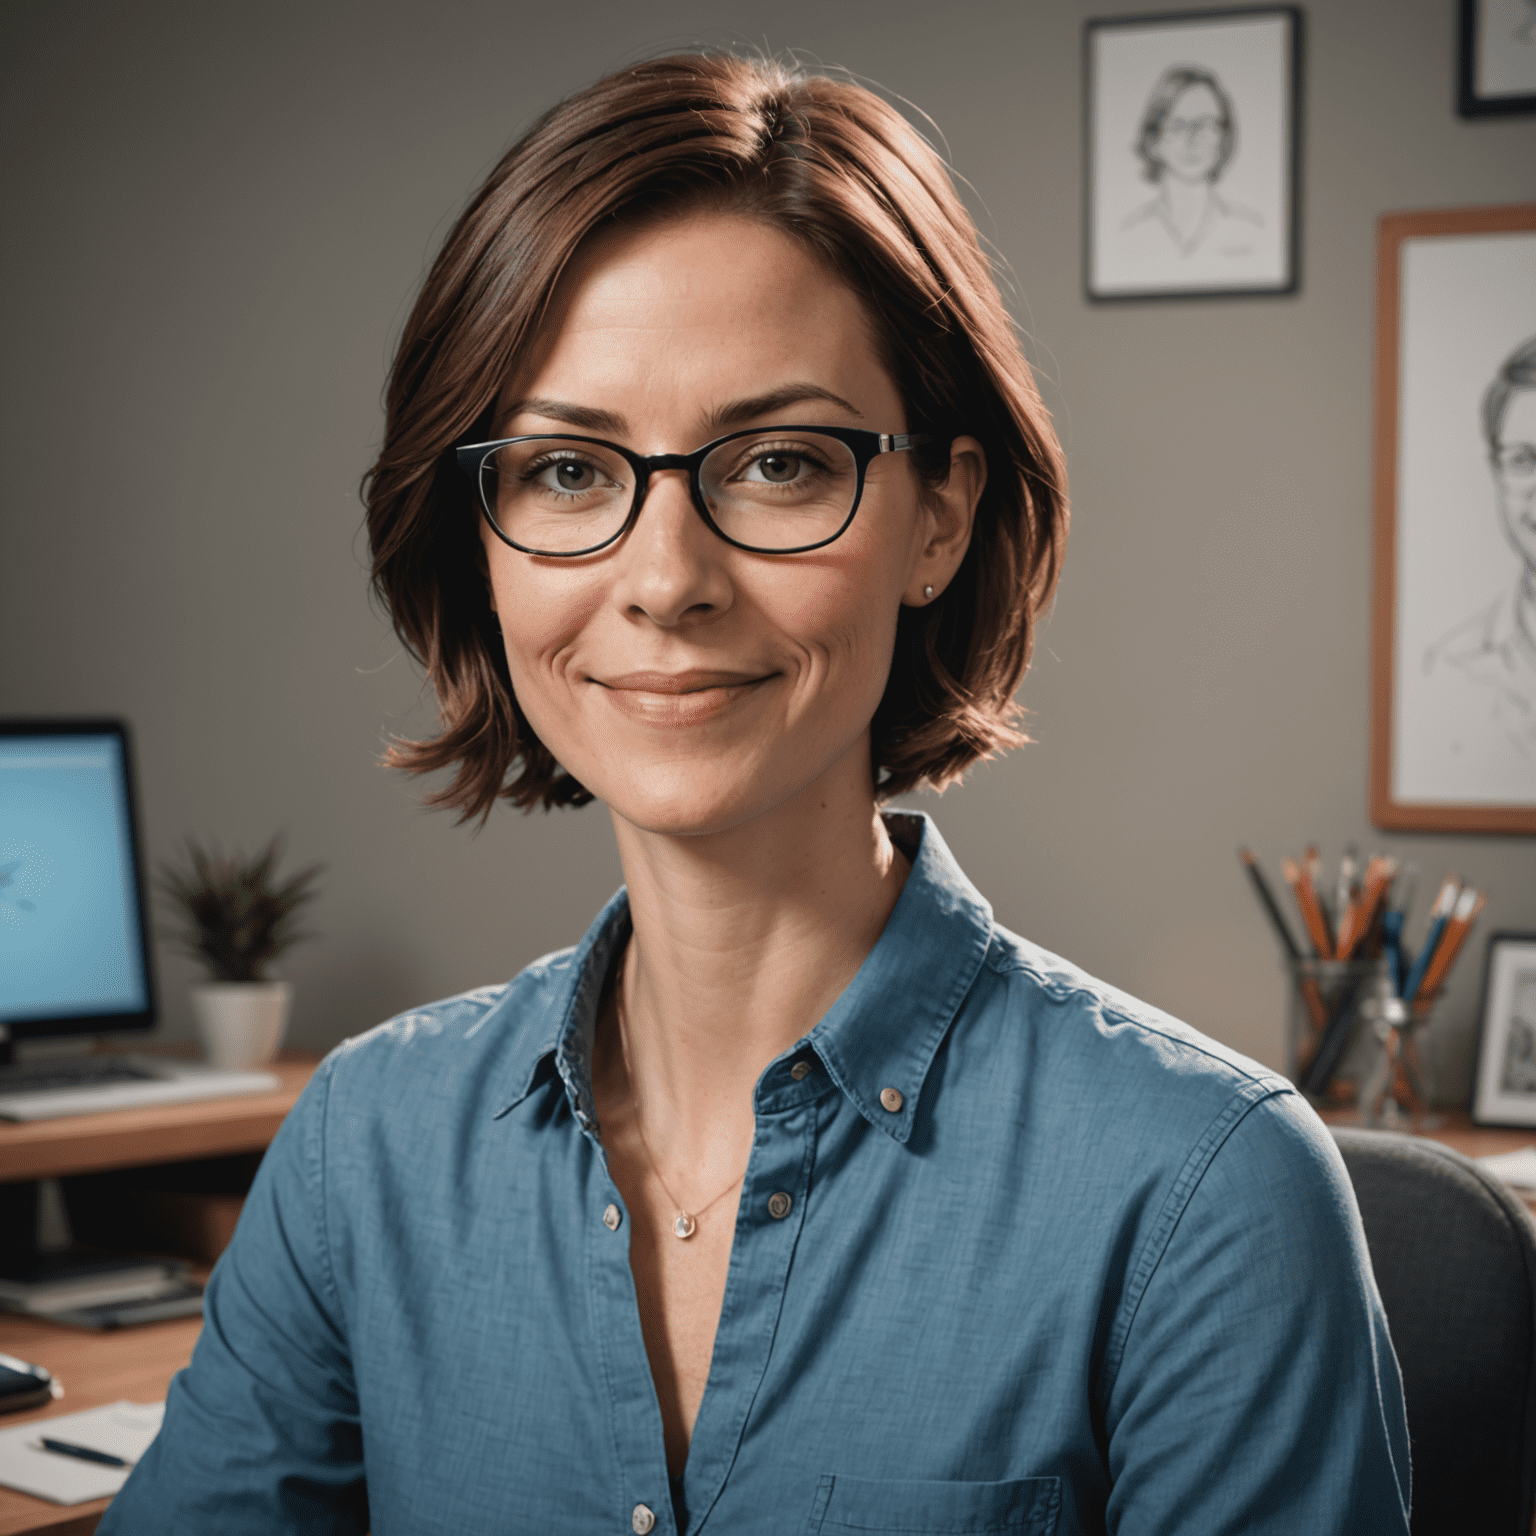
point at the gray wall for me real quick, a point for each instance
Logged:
(216, 215)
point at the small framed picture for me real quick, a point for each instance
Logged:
(1191, 154)
(1453, 692)
(1496, 67)
(1505, 1092)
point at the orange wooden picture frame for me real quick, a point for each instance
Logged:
(1392, 231)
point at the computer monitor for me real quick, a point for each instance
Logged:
(74, 933)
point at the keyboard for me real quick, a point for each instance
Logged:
(71, 1072)
(92, 1085)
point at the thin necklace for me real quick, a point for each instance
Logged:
(685, 1223)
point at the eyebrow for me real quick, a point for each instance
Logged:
(733, 413)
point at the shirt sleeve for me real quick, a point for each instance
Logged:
(1256, 1388)
(261, 1430)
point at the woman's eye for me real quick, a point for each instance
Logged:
(568, 475)
(779, 466)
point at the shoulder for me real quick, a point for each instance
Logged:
(1075, 1015)
(1236, 213)
(476, 1045)
(1106, 1087)
(1474, 638)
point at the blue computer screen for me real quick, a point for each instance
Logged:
(69, 917)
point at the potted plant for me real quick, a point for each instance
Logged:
(235, 918)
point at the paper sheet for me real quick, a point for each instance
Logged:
(1517, 1168)
(121, 1429)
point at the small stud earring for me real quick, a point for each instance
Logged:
(928, 593)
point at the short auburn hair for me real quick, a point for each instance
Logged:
(832, 166)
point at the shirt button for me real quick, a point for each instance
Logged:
(611, 1219)
(778, 1205)
(891, 1098)
(642, 1520)
(800, 1071)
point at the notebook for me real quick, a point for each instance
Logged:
(120, 1429)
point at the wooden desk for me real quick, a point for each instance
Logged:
(165, 1133)
(134, 1363)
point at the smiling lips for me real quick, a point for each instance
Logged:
(677, 698)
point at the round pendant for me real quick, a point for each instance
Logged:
(684, 1225)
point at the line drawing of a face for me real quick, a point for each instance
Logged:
(1493, 651)
(1189, 144)
(1188, 130)
(1514, 474)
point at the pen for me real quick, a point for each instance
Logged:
(84, 1453)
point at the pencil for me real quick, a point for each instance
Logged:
(1267, 901)
(1439, 916)
(1312, 871)
(1468, 905)
(1316, 1008)
(1335, 1039)
(1349, 929)
(1311, 913)
(1346, 892)
(1362, 913)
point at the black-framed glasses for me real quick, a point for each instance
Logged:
(771, 490)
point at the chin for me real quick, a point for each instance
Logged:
(692, 800)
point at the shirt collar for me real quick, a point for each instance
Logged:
(881, 1034)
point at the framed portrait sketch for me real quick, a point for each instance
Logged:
(1504, 1091)
(1496, 67)
(1453, 676)
(1191, 144)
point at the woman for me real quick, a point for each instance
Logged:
(798, 1195)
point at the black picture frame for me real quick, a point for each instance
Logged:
(1469, 101)
(1287, 185)
(1493, 1103)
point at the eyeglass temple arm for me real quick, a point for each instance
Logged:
(894, 442)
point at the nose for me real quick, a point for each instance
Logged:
(670, 568)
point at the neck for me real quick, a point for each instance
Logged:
(1186, 202)
(742, 940)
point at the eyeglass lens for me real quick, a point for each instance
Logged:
(1517, 461)
(773, 491)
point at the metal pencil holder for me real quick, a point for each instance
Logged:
(1398, 1089)
(1351, 1040)
(1323, 1016)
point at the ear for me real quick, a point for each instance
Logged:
(949, 516)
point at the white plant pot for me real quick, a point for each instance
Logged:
(241, 1023)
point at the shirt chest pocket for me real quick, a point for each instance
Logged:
(1027, 1506)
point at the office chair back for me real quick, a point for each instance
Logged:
(1454, 1251)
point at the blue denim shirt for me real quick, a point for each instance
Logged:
(1090, 1272)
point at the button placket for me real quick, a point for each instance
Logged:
(771, 1219)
